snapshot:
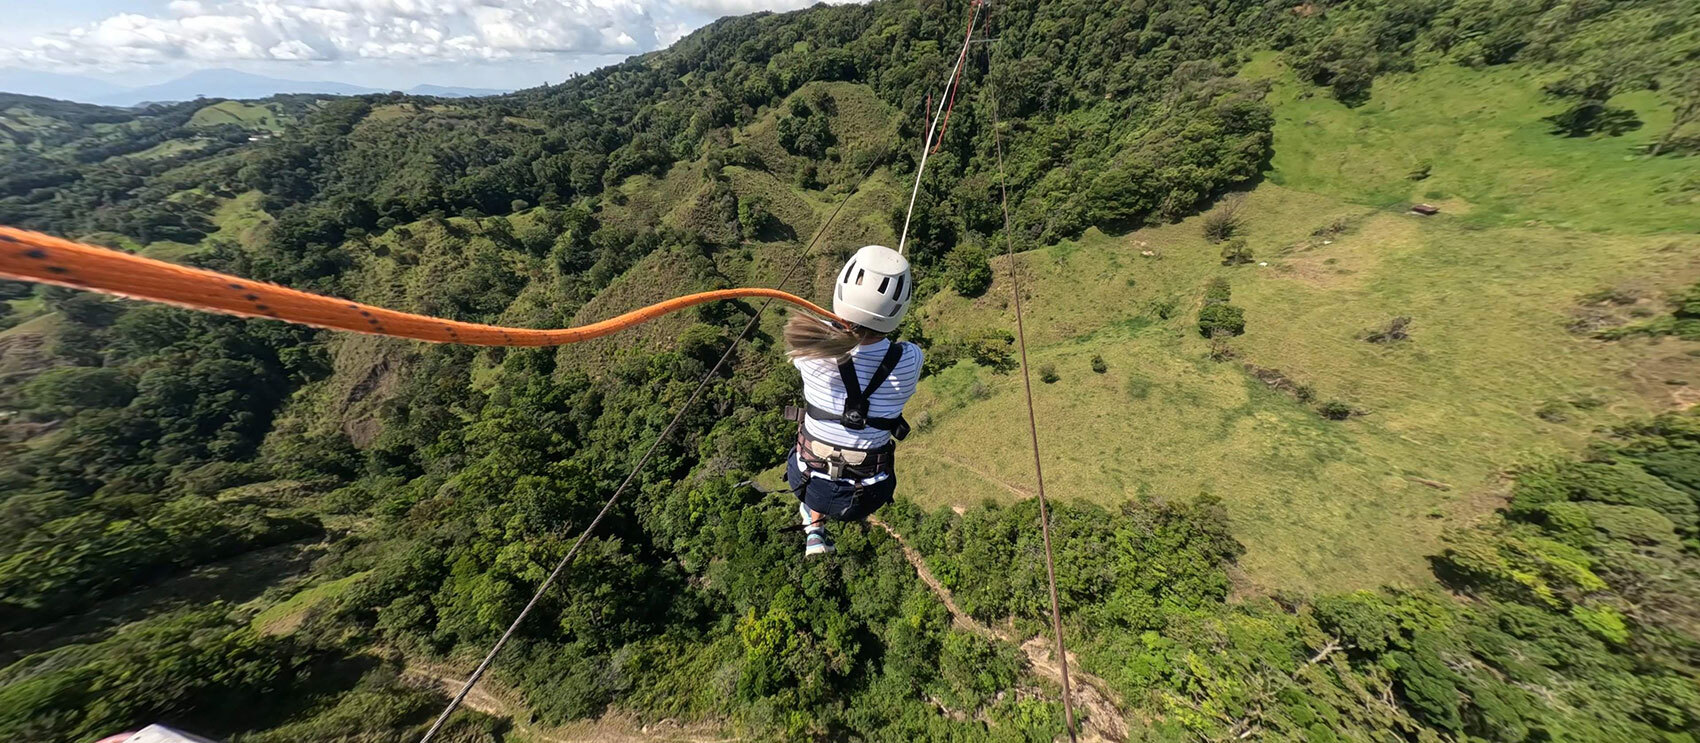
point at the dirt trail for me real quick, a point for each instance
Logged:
(1103, 719)
(1014, 489)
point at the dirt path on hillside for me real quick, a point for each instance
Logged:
(1103, 719)
(1015, 490)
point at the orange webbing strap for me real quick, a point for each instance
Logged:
(32, 256)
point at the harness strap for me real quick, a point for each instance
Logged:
(857, 395)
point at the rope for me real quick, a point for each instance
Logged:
(32, 256)
(956, 80)
(1032, 418)
(667, 432)
(920, 168)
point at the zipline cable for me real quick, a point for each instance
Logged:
(32, 256)
(666, 433)
(1032, 418)
(956, 81)
(926, 146)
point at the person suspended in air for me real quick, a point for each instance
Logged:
(856, 381)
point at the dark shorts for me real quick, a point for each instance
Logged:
(839, 500)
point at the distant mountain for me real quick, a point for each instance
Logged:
(444, 91)
(55, 85)
(225, 84)
(220, 83)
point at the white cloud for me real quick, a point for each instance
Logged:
(225, 31)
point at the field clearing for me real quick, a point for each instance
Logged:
(285, 617)
(1321, 505)
(1490, 151)
(169, 148)
(170, 251)
(245, 115)
(241, 220)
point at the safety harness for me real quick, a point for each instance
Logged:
(845, 462)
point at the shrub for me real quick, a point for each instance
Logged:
(1218, 320)
(1335, 410)
(1138, 387)
(1098, 365)
(1221, 350)
(968, 270)
(1217, 292)
(1552, 412)
(1397, 329)
(1048, 374)
(1235, 253)
(1222, 223)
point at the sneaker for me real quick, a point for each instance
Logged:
(817, 543)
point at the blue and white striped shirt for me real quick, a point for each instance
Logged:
(823, 389)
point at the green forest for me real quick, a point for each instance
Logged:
(263, 532)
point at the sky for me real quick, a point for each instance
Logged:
(389, 44)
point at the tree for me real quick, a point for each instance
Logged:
(968, 270)
(1221, 320)
(80, 387)
(1686, 90)
(755, 216)
(1235, 253)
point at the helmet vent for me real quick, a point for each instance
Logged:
(848, 267)
(885, 282)
(860, 275)
(899, 293)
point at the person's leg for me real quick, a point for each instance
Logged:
(822, 495)
(815, 540)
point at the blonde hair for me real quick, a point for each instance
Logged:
(809, 337)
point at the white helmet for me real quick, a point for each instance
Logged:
(874, 288)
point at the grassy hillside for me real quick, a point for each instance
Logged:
(1488, 154)
(258, 116)
(1491, 292)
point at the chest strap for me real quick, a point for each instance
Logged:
(855, 414)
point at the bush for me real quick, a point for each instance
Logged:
(1048, 374)
(968, 270)
(1222, 223)
(1335, 410)
(1138, 387)
(1235, 253)
(1217, 292)
(80, 387)
(1397, 329)
(1553, 412)
(1219, 320)
(1098, 365)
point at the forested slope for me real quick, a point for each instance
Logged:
(438, 484)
